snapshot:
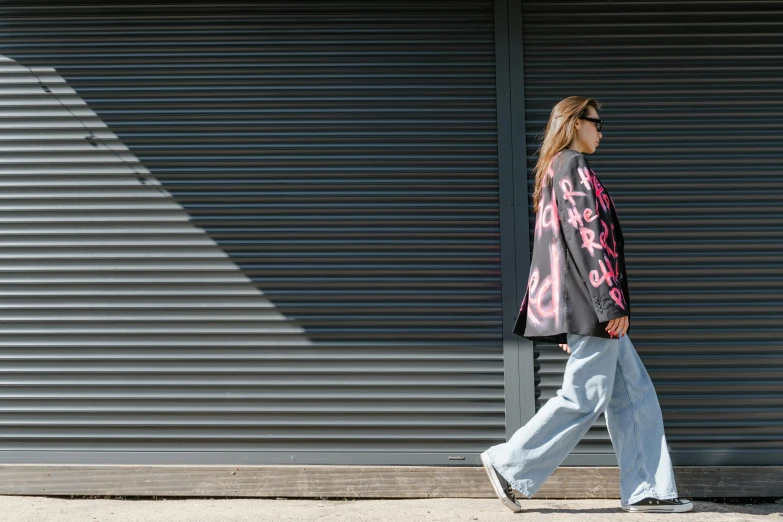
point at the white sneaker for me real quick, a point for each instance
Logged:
(654, 505)
(499, 484)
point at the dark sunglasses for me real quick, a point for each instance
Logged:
(598, 123)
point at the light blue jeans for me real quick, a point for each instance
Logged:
(602, 375)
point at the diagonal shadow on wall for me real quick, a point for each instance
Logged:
(87, 222)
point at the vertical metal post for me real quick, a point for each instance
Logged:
(514, 219)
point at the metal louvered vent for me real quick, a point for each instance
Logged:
(693, 158)
(297, 261)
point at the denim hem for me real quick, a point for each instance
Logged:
(524, 491)
(640, 496)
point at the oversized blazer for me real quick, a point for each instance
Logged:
(577, 280)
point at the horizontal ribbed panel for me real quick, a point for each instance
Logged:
(692, 156)
(260, 228)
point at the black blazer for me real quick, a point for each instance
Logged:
(577, 281)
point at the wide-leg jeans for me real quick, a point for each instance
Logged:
(602, 375)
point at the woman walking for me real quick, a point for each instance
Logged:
(577, 296)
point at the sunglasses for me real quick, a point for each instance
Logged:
(598, 123)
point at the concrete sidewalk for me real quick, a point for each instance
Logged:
(46, 509)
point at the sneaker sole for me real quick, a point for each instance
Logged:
(659, 509)
(493, 479)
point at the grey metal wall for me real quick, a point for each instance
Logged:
(275, 239)
(693, 158)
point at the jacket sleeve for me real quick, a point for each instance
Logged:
(587, 219)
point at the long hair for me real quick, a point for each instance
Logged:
(559, 134)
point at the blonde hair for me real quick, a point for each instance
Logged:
(560, 132)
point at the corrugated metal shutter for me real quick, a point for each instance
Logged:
(307, 273)
(692, 156)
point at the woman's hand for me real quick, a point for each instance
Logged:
(618, 327)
